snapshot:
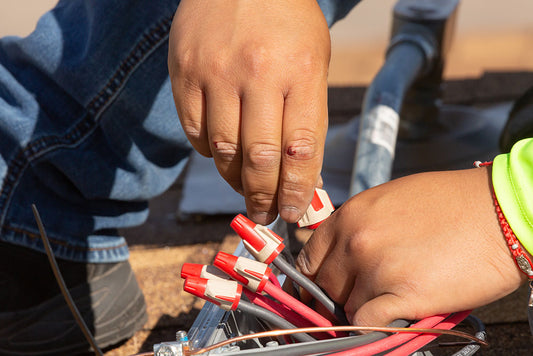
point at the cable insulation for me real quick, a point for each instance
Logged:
(272, 318)
(312, 288)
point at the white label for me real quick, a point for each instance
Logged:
(384, 128)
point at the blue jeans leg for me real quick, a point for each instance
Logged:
(88, 127)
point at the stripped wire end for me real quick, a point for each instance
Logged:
(224, 293)
(252, 274)
(260, 241)
(320, 209)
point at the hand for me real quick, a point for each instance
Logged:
(249, 82)
(414, 247)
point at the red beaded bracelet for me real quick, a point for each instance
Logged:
(520, 257)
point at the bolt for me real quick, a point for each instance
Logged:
(181, 335)
(165, 351)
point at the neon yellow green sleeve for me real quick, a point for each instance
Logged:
(512, 178)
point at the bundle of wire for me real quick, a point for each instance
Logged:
(312, 333)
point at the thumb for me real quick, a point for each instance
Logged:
(381, 311)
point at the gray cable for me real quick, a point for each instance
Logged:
(272, 318)
(311, 287)
(61, 282)
(320, 347)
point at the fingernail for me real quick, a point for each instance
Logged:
(302, 262)
(290, 214)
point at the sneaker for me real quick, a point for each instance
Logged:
(520, 122)
(35, 319)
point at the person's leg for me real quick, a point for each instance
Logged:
(88, 132)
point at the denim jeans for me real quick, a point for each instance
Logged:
(88, 127)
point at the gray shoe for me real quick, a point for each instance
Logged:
(107, 296)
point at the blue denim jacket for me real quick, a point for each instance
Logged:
(88, 127)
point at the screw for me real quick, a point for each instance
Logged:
(165, 351)
(181, 335)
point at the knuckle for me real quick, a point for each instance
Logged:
(293, 190)
(257, 60)
(263, 156)
(193, 132)
(359, 244)
(226, 152)
(309, 64)
(261, 200)
(217, 65)
(182, 61)
(303, 148)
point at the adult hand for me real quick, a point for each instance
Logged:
(414, 247)
(249, 82)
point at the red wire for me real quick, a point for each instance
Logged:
(418, 342)
(283, 311)
(393, 340)
(276, 308)
(272, 277)
(300, 308)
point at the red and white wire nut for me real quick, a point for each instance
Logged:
(260, 241)
(224, 293)
(319, 210)
(202, 271)
(252, 274)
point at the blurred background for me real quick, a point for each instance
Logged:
(490, 35)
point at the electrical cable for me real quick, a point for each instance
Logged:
(299, 307)
(62, 285)
(276, 308)
(420, 341)
(386, 329)
(304, 282)
(394, 340)
(272, 278)
(282, 311)
(273, 319)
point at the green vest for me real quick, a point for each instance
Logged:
(512, 178)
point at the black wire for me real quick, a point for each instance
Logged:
(312, 288)
(61, 282)
(272, 318)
